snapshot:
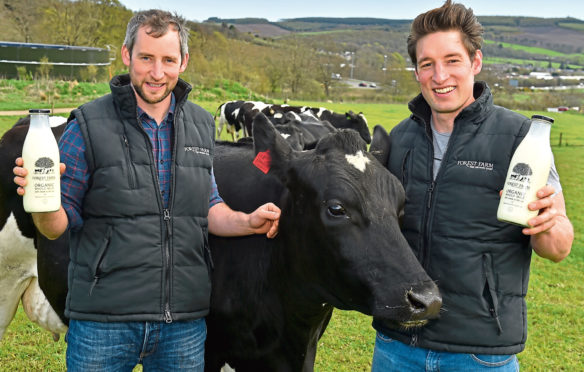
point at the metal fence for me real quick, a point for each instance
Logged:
(65, 61)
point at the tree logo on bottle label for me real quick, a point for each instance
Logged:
(521, 172)
(44, 165)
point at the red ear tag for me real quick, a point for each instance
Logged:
(262, 161)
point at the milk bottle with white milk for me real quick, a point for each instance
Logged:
(40, 154)
(528, 172)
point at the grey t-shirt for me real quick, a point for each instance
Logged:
(441, 144)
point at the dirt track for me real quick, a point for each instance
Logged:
(25, 112)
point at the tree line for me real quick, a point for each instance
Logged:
(293, 67)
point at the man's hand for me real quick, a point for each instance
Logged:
(20, 173)
(545, 220)
(51, 224)
(223, 221)
(551, 231)
(265, 220)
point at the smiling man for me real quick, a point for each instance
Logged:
(138, 199)
(481, 265)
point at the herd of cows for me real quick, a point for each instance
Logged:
(303, 125)
(339, 243)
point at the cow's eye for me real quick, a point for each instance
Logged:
(336, 209)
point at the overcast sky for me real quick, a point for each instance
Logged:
(199, 10)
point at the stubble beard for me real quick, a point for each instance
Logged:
(140, 92)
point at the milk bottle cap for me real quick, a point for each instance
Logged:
(39, 111)
(542, 117)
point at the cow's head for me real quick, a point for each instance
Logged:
(343, 210)
(359, 123)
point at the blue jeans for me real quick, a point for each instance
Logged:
(392, 355)
(120, 346)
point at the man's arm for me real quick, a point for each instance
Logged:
(551, 231)
(223, 221)
(51, 224)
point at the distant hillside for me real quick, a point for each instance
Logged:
(315, 24)
(502, 33)
(310, 24)
(562, 34)
(262, 29)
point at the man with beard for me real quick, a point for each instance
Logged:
(138, 199)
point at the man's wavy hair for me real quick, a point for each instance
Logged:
(448, 17)
(157, 23)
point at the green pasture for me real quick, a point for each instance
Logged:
(574, 26)
(523, 62)
(528, 49)
(555, 298)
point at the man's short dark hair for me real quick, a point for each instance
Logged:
(157, 23)
(449, 17)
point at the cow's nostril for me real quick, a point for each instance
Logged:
(417, 301)
(424, 303)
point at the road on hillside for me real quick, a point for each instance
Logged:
(25, 112)
(354, 83)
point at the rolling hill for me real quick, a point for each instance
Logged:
(563, 35)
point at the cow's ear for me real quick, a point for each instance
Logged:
(380, 145)
(269, 144)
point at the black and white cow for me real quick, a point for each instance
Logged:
(239, 116)
(310, 128)
(349, 120)
(19, 273)
(228, 113)
(339, 245)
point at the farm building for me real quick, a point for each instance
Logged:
(63, 61)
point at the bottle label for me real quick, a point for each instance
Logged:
(518, 185)
(44, 177)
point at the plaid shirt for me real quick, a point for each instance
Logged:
(74, 182)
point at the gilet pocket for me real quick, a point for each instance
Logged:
(490, 290)
(96, 265)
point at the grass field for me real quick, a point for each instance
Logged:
(524, 62)
(532, 50)
(555, 298)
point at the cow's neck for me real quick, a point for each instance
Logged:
(306, 317)
(302, 331)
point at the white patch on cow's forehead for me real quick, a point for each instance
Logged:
(359, 160)
(278, 115)
(285, 135)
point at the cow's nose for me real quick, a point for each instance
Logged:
(425, 301)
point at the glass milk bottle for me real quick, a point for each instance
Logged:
(528, 172)
(40, 154)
